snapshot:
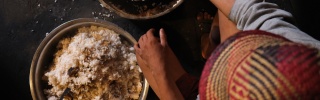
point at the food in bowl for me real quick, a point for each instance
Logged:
(95, 63)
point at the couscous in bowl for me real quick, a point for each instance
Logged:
(44, 56)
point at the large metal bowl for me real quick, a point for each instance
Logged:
(141, 9)
(45, 51)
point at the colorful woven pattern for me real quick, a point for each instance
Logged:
(261, 65)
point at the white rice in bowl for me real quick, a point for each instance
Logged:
(94, 64)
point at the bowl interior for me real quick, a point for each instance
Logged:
(141, 9)
(44, 55)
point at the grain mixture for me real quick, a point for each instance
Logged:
(94, 65)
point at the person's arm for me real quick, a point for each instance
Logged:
(165, 69)
(256, 14)
(167, 88)
(224, 6)
(161, 72)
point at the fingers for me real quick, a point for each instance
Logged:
(149, 33)
(149, 36)
(137, 49)
(138, 45)
(163, 37)
(144, 37)
(139, 54)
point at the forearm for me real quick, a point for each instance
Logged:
(224, 6)
(167, 87)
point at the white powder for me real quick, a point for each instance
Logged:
(94, 64)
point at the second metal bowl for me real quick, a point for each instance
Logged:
(46, 49)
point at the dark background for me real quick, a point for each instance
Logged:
(24, 24)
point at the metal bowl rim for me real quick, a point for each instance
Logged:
(72, 23)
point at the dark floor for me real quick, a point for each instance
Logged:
(24, 24)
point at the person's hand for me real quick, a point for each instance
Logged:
(152, 46)
(152, 51)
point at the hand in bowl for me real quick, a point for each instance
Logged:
(159, 65)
